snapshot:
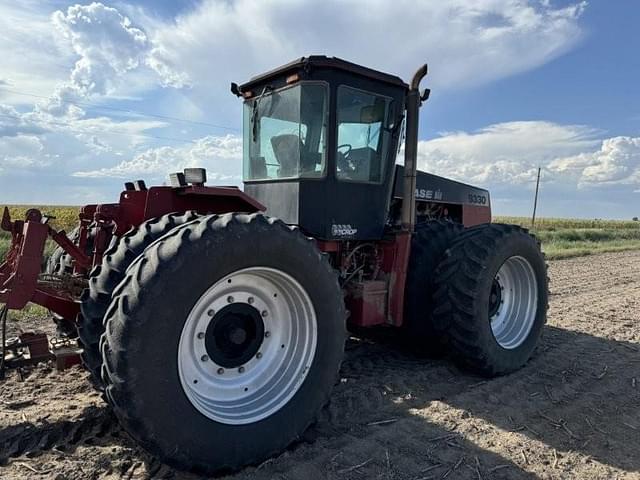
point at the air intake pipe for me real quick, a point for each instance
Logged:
(413, 102)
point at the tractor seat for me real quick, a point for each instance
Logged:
(287, 148)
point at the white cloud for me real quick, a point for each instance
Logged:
(31, 59)
(13, 123)
(222, 156)
(509, 154)
(582, 173)
(466, 43)
(616, 162)
(109, 47)
(21, 152)
(506, 153)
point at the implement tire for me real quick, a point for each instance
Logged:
(104, 279)
(223, 342)
(492, 297)
(428, 245)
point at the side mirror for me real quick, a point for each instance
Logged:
(235, 89)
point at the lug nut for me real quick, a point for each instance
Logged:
(220, 371)
(264, 313)
(230, 299)
(200, 335)
(250, 300)
(204, 358)
(241, 370)
(211, 312)
(258, 355)
(267, 334)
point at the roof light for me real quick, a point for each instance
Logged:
(195, 176)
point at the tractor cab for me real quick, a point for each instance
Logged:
(320, 140)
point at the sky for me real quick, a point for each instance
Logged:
(94, 94)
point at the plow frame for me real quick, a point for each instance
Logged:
(21, 280)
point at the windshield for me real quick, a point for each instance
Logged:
(363, 135)
(285, 133)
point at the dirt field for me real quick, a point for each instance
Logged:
(572, 412)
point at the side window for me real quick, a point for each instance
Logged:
(285, 133)
(363, 136)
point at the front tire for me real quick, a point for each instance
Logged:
(492, 298)
(223, 342)
(104, 279)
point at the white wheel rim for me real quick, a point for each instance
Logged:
(263, 384)
(516, 305)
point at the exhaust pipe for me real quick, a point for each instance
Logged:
(413, 101)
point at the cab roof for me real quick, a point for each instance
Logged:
(322, 61)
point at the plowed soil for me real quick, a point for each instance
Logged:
(572, 412)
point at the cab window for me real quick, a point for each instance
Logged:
(285, 133)
(363, 135)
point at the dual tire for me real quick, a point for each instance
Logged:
(478, 294)
(491, 298)
(222, 341)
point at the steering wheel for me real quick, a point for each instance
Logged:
(347, 146)
(343, 163)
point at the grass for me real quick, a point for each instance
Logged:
(561, 237)
(568, 237)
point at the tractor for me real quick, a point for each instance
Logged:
(214, 319)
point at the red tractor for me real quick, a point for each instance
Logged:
(214, 319)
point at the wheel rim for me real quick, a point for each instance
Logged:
(513, 302)
(247, 345)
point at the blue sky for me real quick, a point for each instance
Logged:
(92, 94)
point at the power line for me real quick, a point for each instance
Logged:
(112, 132)
(125, 110)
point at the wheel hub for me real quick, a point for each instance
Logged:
(234, 335)
(513, 302)
(495, 297)
(247, 345)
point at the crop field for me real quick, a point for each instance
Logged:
(568, 237)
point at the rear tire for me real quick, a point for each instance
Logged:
(428, 245)
(104, 279)
(492, 298)
(158, 355)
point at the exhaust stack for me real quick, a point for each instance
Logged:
(414, 100)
